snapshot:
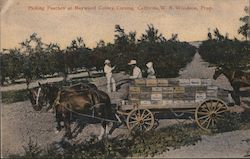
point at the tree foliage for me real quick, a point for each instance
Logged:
(168, 56)
(221, 50)
(245, 28)
(36, 59)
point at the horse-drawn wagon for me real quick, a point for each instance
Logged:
(150, 96)
(146, 98)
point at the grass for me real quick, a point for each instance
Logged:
(138, 145)
(14, 96)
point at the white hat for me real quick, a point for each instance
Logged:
(149, 64)
(132, 62)
(106, 61)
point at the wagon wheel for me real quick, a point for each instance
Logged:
(208, 113)
(140, 120)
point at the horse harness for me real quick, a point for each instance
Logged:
(57, 102)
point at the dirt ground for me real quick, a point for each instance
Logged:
(20, 124)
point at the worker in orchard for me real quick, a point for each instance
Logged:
(110, 79)
(136, 70)
(150, 70)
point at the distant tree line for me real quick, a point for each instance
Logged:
(218, 49)
(35, 59)
(168, 56)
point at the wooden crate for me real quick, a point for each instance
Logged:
(173, 82)
(156, 96)
(178, 95)
(156, 102)
(145, 96)
(195, 82)
(145, 89)
(162, 82)
(201, 89)
(184, 95)
(134, 96)
(200, 97)
(134, 89)
(145, 102)
(135, 102)
(156, 89)
(167, 96)
(140, 82)
(211, 93)
(179, 89)
(151, 82)
(190, 89)
(212, 88)
(166, 102)
(222, 93)
(206, 82)
(184, 82)
(168, 89)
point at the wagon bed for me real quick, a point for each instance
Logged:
(199, 96)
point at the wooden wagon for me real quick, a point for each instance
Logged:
(197, 96)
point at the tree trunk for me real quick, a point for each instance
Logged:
(2, 80)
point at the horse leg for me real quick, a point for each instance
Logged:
(66, 119)
(67, 128)
(236, 91)
(116, 124)
(78, 129)
(58, 121)
(103, 129)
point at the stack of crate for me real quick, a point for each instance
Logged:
(167, 91)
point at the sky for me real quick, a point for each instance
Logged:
(61, 21)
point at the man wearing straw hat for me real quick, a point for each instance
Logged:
(136, 70)
(108, 71)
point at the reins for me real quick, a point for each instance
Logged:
(56, 102)
(89, 116)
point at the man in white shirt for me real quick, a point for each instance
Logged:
(108, 71)
(136, 70)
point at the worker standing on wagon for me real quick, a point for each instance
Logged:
(110, 80)
(150, 70)
(136, 70)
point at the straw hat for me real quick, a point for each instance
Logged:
(132, 62)
(149, 64)
(106, 61)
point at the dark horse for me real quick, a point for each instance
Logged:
(80, 99)
(237, 79)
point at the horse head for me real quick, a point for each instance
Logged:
(218, 72)
(38, 96)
